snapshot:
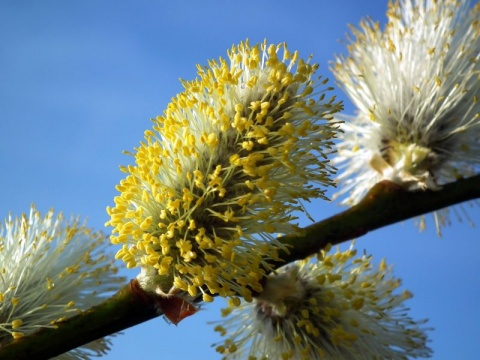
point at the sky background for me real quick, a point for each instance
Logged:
(79, 82)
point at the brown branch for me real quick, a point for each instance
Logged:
(123, 310)
(385, 204)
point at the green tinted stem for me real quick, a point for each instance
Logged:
(385, 204)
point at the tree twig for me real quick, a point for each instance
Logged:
(385, 204)
(123, 310)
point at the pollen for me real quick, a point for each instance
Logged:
(16, 323)
(17, 335)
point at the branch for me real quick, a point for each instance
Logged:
(123, 310)
(385, 204)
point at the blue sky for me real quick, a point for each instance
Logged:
(79, 81)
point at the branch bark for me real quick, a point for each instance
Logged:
(123, 310)
(385, 204)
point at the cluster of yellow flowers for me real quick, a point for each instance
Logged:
(222, 171)
(51, 268)
(338, 306)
